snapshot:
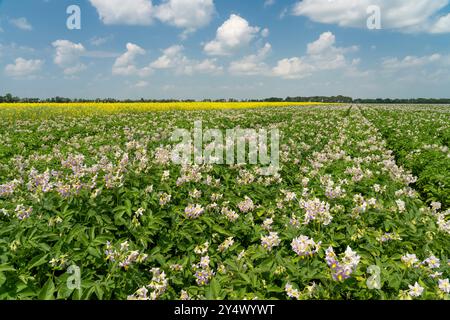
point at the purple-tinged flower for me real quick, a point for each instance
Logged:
(270, 241)
(246, 205)
(342, 270)
(193, 211)
(316, 210)
(410, 260)
(304, 246)
(202, 277)
(432, 262)
(416, 290)
(22, 212)
(444, 285)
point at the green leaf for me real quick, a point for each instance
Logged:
(93, 252)
(37, 261)
(6, 267)
(221, 230)
(213, 290)
(2, 279)
(99, 291)
(45, 247)
(47, 291)
(88, 293)
(246, 278)
(64, 292)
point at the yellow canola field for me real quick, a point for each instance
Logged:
(156, 106)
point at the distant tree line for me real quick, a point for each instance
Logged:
(333, 99)
(9, 98)
(403, 101)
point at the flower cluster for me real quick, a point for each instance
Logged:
(158, 284)
(176, 267)
(416, 290)
(294, 222)
(389, 236)
(304, 246)
(332, 190)
(164, 199)
(226, 244)
(230, 214)
(162, 156)
(342, 270)
(8, 188)
(362, 205)
(432, 262)
(4, 212)
(246, 205)
(401, 205)
(124, 256)
(267, 224)
(203, 272)
(202, 249)
(441, 217)
(189, 174)
(410, 260)
(195, 194)
(293, 293)
(270, 241)
(40, 182)
(316, 210)
(193, 211)
(443, 223)
(444, 285)
(23, 212)
(184, 296)
(59, 262)
(140, 294)
(289, 196)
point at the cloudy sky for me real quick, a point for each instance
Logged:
(225, 48)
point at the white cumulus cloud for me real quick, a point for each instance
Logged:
(170, 58)
(207, 66)
(325, 42)
(442, 25)
(186, 14)
(67, 56)
(128, 12)
(322, 54)
(174, 58)
(292, 68)
(252, 64)
(189, 15)
(23, 67)
(125, 65)
(233, 34)
(409, 16)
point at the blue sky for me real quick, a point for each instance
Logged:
(225, 48)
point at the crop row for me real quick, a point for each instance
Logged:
(420, 138)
